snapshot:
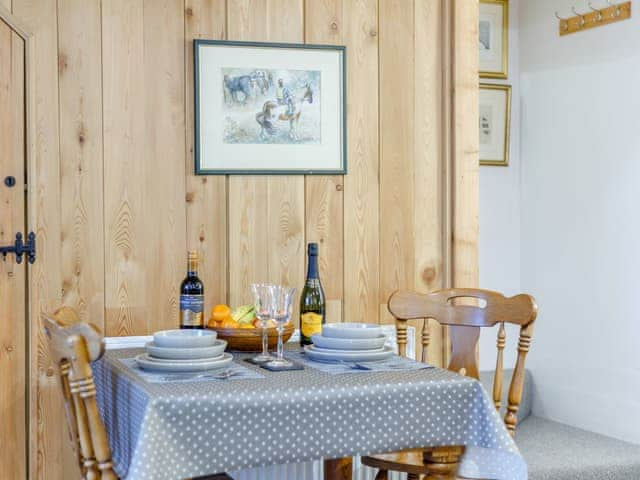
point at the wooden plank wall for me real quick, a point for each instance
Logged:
(117, 205)
(13, 414)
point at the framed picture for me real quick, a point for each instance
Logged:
(493, 41)
(494, 124)
(269, 108)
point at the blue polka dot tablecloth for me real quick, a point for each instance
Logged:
(171, 431)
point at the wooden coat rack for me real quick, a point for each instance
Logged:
(596, 17)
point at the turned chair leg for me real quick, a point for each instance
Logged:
(442, 462)
(382, 475)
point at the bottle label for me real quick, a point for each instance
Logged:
(310, 323)
(191, 310)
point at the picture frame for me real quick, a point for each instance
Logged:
(493, 38)
(494, 124)
(269, 108)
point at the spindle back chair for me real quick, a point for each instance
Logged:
(465, 311)
(74, 345)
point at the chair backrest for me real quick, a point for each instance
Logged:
(465, 311)
(73, 346)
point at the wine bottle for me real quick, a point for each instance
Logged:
(312, 306)
(192, 296)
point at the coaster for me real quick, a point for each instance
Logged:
(254, 362)
(294, 366)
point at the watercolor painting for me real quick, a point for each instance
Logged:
(271, 106)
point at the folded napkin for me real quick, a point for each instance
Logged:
(392, 364)
(230, 373)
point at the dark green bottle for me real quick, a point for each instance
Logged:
(192, 296)
(312, 307)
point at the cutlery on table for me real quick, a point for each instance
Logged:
(224, 375)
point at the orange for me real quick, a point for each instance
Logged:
(229, 323)
(220, 312)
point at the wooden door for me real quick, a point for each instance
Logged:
(13, 352)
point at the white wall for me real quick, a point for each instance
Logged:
(580, 250)
(500, 210)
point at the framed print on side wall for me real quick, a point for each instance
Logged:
(493, 38)
(269, 108)
(494, 124)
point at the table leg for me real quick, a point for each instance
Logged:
(442, 462)
(338, 469)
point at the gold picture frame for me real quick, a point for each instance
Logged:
(494, 124)
(493, 64)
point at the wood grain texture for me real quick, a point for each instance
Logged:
(125, 106)
(361, 194)
(44, 276)
(398, 91)
(81, 167)
(428, 154)
(13, 364)
(163, 214)
(466, 144)
(206, 196)
(324, 199)
(125, 171)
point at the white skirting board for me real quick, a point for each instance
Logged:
(294, 471)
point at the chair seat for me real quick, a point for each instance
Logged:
(554, 451)
(408, 461)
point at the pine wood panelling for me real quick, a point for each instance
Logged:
(45, 274)
(164, 186)
(466, 144)
(80, 90)
(397, 98)
(206, 226)
(125, 171)
(361, 196)
(324, 216)
(80, 113)
(114, 131)
(428, 159)
(13, 363)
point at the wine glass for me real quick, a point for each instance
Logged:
(263, 300)
(282, 303)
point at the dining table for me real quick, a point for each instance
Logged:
(179, 426)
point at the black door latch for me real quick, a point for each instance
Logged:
(21, 247)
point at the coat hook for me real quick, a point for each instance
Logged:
(564, 22)
(599, 17)
(582, 21)
(617, 14)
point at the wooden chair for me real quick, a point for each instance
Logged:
(465, 311)
(74, 345)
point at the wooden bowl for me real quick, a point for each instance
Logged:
(250, 339)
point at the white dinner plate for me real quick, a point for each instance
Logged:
(315, 353)
(349, 343)
(162, 365)
(187, 353)
(351, 330)
(184, 338)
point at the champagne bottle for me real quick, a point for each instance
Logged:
(312, 306)
(192, 296)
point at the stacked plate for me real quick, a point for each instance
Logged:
(184, 351)
(349, 342)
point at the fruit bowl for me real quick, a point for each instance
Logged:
(250, 339)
